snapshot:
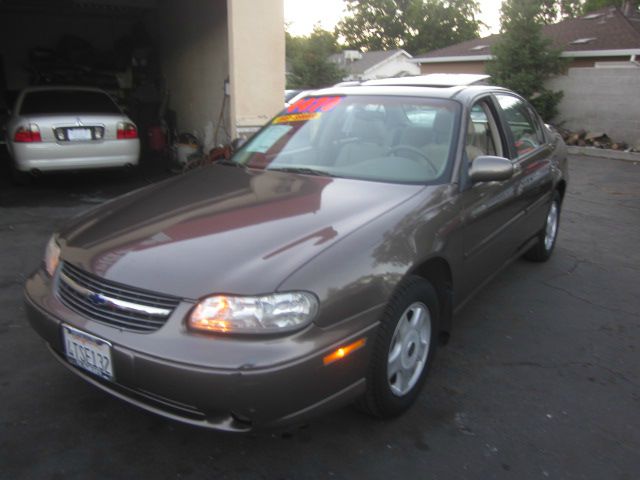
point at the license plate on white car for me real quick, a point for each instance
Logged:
(88, 352)
(74, 134)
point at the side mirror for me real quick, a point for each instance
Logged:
(487, 168)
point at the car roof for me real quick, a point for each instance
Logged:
(453, 93)
(461, 87)
(434, 80)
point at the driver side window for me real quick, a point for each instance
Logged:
(482, 136)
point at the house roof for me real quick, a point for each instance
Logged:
(368, 60)
(607, 31)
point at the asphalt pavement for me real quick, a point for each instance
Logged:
(541, 378)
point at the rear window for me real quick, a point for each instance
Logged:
(68, 102)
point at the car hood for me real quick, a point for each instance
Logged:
(223, 229)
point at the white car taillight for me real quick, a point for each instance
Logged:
(126, 131)
(27, 134)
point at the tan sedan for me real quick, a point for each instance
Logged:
(321, 266)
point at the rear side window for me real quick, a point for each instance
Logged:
(67, 102)
(526, 132)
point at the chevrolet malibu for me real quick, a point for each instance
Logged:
(69, 128)
(321, 266)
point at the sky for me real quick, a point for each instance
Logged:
(302, 15)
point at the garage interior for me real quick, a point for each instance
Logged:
(211, 68)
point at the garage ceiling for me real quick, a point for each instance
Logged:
(95, 7)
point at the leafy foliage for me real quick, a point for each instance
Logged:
(555, 10)
(570, 8)
(523, 58)
(593, 5)
(308, 60)
(552, 11)
(415, 25)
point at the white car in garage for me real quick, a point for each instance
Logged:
(69, 128)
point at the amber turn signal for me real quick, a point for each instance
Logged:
(342, 352)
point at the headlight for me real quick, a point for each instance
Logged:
(278, 312)
(51, 256)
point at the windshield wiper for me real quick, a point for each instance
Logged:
(303, 170)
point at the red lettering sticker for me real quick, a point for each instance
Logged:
(314, 104)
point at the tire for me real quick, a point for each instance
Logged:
(542, 250)
(388, 393)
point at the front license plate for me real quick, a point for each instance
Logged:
(79, 134)
(88, 352)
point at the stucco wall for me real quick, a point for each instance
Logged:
(601, 99)
(256, 56)
(192, 37)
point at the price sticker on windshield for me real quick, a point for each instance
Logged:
(296, 117)
(314, 105)
(308, 108)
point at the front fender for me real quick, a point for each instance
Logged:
(361, 271)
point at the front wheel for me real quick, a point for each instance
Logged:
(404, 349)
(542, 250)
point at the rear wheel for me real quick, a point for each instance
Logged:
(404, 349)
(542, 250)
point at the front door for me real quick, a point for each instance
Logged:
(490, 208)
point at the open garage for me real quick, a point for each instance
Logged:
(211, 69)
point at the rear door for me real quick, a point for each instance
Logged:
(532, 162)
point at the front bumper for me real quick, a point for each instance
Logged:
(232, 384)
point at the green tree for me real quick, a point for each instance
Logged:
(589, 6)
(570, 8)
(523, 58)
(308, 59)
(415, 25)
(552, 11)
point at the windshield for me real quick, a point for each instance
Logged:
(67, 102)
(381, 138)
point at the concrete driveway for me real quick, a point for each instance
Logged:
(540, 380)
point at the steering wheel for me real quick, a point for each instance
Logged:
(415, 153)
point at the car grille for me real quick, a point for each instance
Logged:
(107, 302)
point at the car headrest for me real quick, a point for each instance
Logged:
(443, 123)
(368, 127)
(416, 136)
(443, 126)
